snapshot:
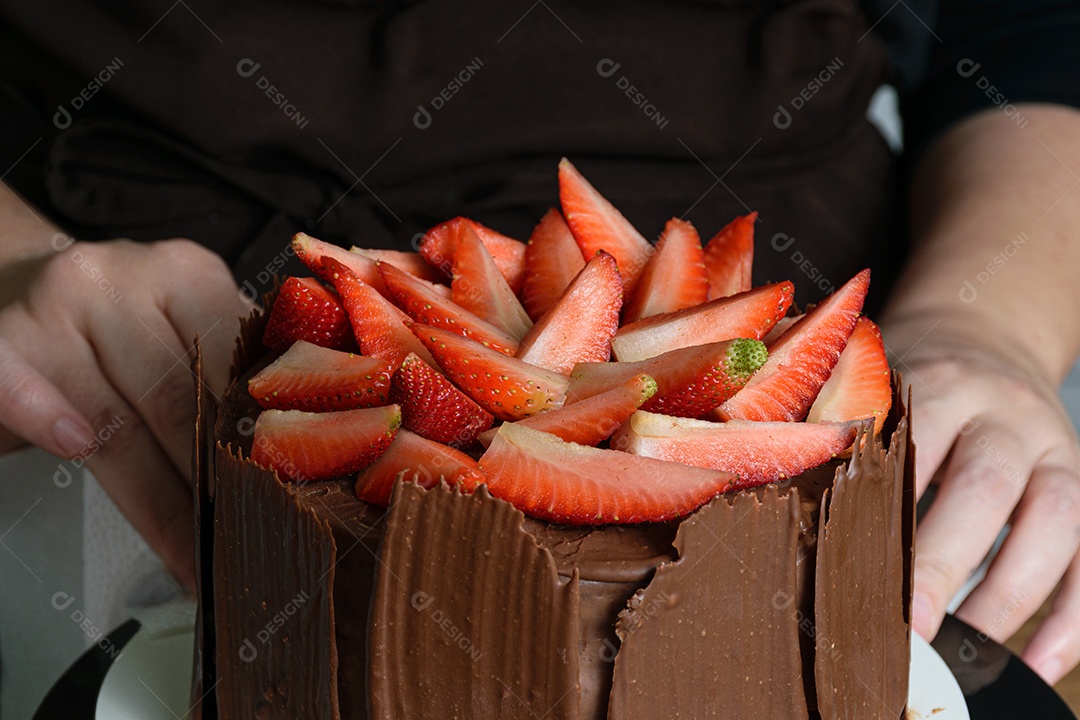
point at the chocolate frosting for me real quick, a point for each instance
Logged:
(716, 632)
(458, 606)
(470, 618)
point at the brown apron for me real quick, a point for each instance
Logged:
(237, 124)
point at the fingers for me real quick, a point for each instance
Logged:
(1035, 555)
(1055, 647)
(159, 385)
(134, 470)
(34, 411)
(206, 304)
(981, 485)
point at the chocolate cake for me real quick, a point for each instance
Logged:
(788, 601)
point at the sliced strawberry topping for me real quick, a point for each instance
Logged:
(409, 262)
(416, 459)
(859, 386)
(552, 260)
(580, 325)
(379, 326)
(304, 446)
(674, 278)
(440, 243)
(801, 360)
(481, 289)
(305, 310)
(425, 306)
(551, 479)
(506, 387)
(309, 377)
(691, 381)
(311, 251)
(598, 225)
(747, 315)
(757, 452)
(592, 420)
(432, 407)
(780, 328)
(729, 257)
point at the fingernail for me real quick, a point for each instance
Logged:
(922, 613)
(1050, 670)
(71, 436)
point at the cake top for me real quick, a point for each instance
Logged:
(481, 360)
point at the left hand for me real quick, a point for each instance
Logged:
(992, 434)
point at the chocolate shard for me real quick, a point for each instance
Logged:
(716, 633)
(863, 562)
(274, 571)
(203, 700)
(470, 618)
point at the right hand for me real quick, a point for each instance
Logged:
(96, 342)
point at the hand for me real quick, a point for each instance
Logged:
(992, 434)
(95, 349)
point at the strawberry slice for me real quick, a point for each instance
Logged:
(801, 360)
(481, 289)
(859, 386)
(757, 452)
(562, 482)
(304, 446)
(691, 381)
(674, 278)
(305, 310)
(379, 327)
(416, 459)
(592, 420)
(409, 262)
(309, 377)
(311, 251)
(440, 244)
(598, 225)
(552, 260)
(424, 306)
(747, 315)
(506, 387)
(580, 325)
(781, 327)
(729, 257)
(433, 408)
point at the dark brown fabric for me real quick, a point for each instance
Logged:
(183, 141)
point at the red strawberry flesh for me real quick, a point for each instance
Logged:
(504, 386)
(303, 446)
(432, 407)
(305, 310)
(413, 458)
(757, 452)
(550, 479)
(309, 377)
(801, 360)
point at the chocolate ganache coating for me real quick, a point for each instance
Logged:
(777, 602)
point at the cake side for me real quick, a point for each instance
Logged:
(714, 633)
(469, 618)
(862, 588)
(274, 611)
